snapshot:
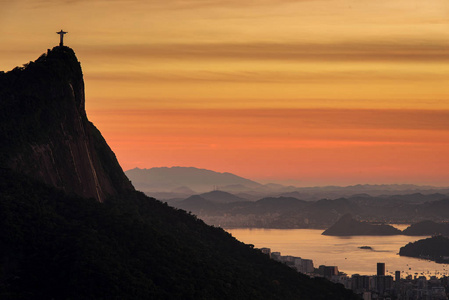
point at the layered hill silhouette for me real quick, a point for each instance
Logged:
(435, 248)
(177, 183)
(348, 226)
(73, 227)
(221, 197)
(427, 227)
(292, 213)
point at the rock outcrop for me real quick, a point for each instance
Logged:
(435, 248)
(57, 244)
(427, 228)
(45, 133)
(347, 226)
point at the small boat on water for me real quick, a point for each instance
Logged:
(366, 248)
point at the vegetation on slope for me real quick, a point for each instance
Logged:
(45, 133)
(57, 247)
(435, 248)
(57, 244)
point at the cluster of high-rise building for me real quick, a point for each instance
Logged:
(383, 287)
(300, 264)
(373, 287)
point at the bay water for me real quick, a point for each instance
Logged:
(344, 252)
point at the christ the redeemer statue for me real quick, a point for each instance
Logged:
(61, 37)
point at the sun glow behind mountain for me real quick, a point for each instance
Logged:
(317, 91)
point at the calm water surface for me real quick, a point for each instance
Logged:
(343, 252)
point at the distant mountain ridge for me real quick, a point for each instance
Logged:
(181, 182)
(291, 212)
(221, 197)
(166, 179)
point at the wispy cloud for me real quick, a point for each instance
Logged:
(421, 52)
(296, 119)
(179, 4)
(267, 76)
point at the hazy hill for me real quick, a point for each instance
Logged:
(280, 203)
(407, 191)
(291, 212)
(181, 182)
(196, 203)
(207, 203)
(221, 197)
(58, 241)
(270, 212)
(199, 180)
(177, 183)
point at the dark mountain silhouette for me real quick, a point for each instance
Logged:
(347, 226)
(435, 248)
(427, 228)
(58, 241)
(45, 132)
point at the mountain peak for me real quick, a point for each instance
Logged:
(46, 131)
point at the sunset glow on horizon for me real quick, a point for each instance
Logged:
(312, 92)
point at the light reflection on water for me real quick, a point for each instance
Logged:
(343, 252)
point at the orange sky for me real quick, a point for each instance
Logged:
(313, 92)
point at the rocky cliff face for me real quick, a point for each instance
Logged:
(45, 133)
(54, 245)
